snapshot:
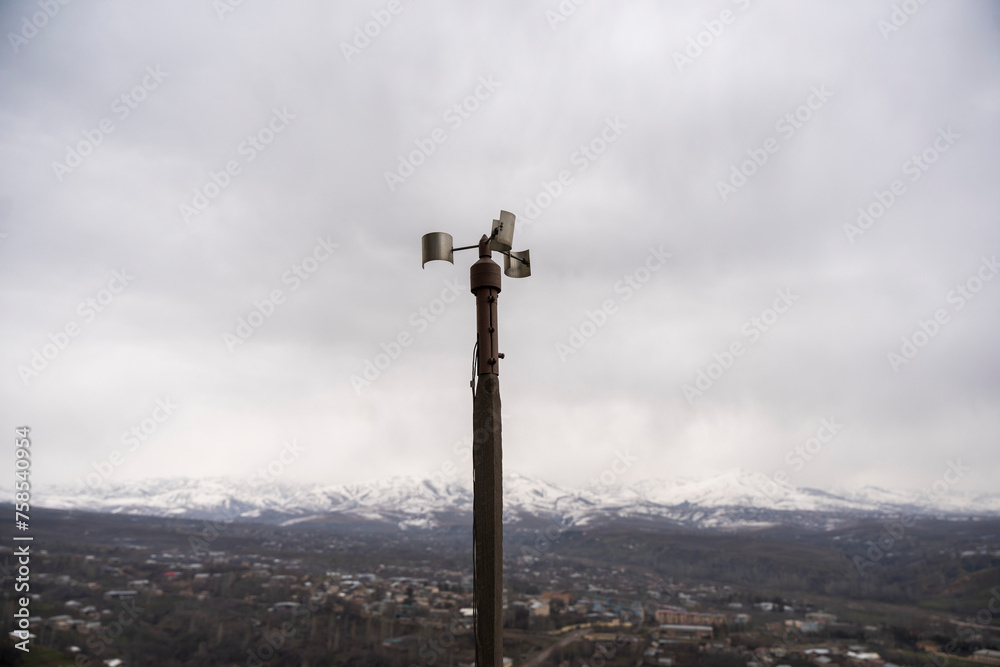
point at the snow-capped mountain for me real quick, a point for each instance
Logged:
(735, 499)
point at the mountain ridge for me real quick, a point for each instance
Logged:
(736, 499)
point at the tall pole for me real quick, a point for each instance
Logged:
(487, 501)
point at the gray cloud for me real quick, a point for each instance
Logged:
(656, 184)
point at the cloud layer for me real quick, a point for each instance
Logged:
(744, 218)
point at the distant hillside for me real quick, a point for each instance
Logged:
(732, 501)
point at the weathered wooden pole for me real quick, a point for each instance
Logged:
(487, 466)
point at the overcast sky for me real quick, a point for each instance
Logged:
(688, 178)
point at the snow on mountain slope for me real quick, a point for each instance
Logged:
(733, 499)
